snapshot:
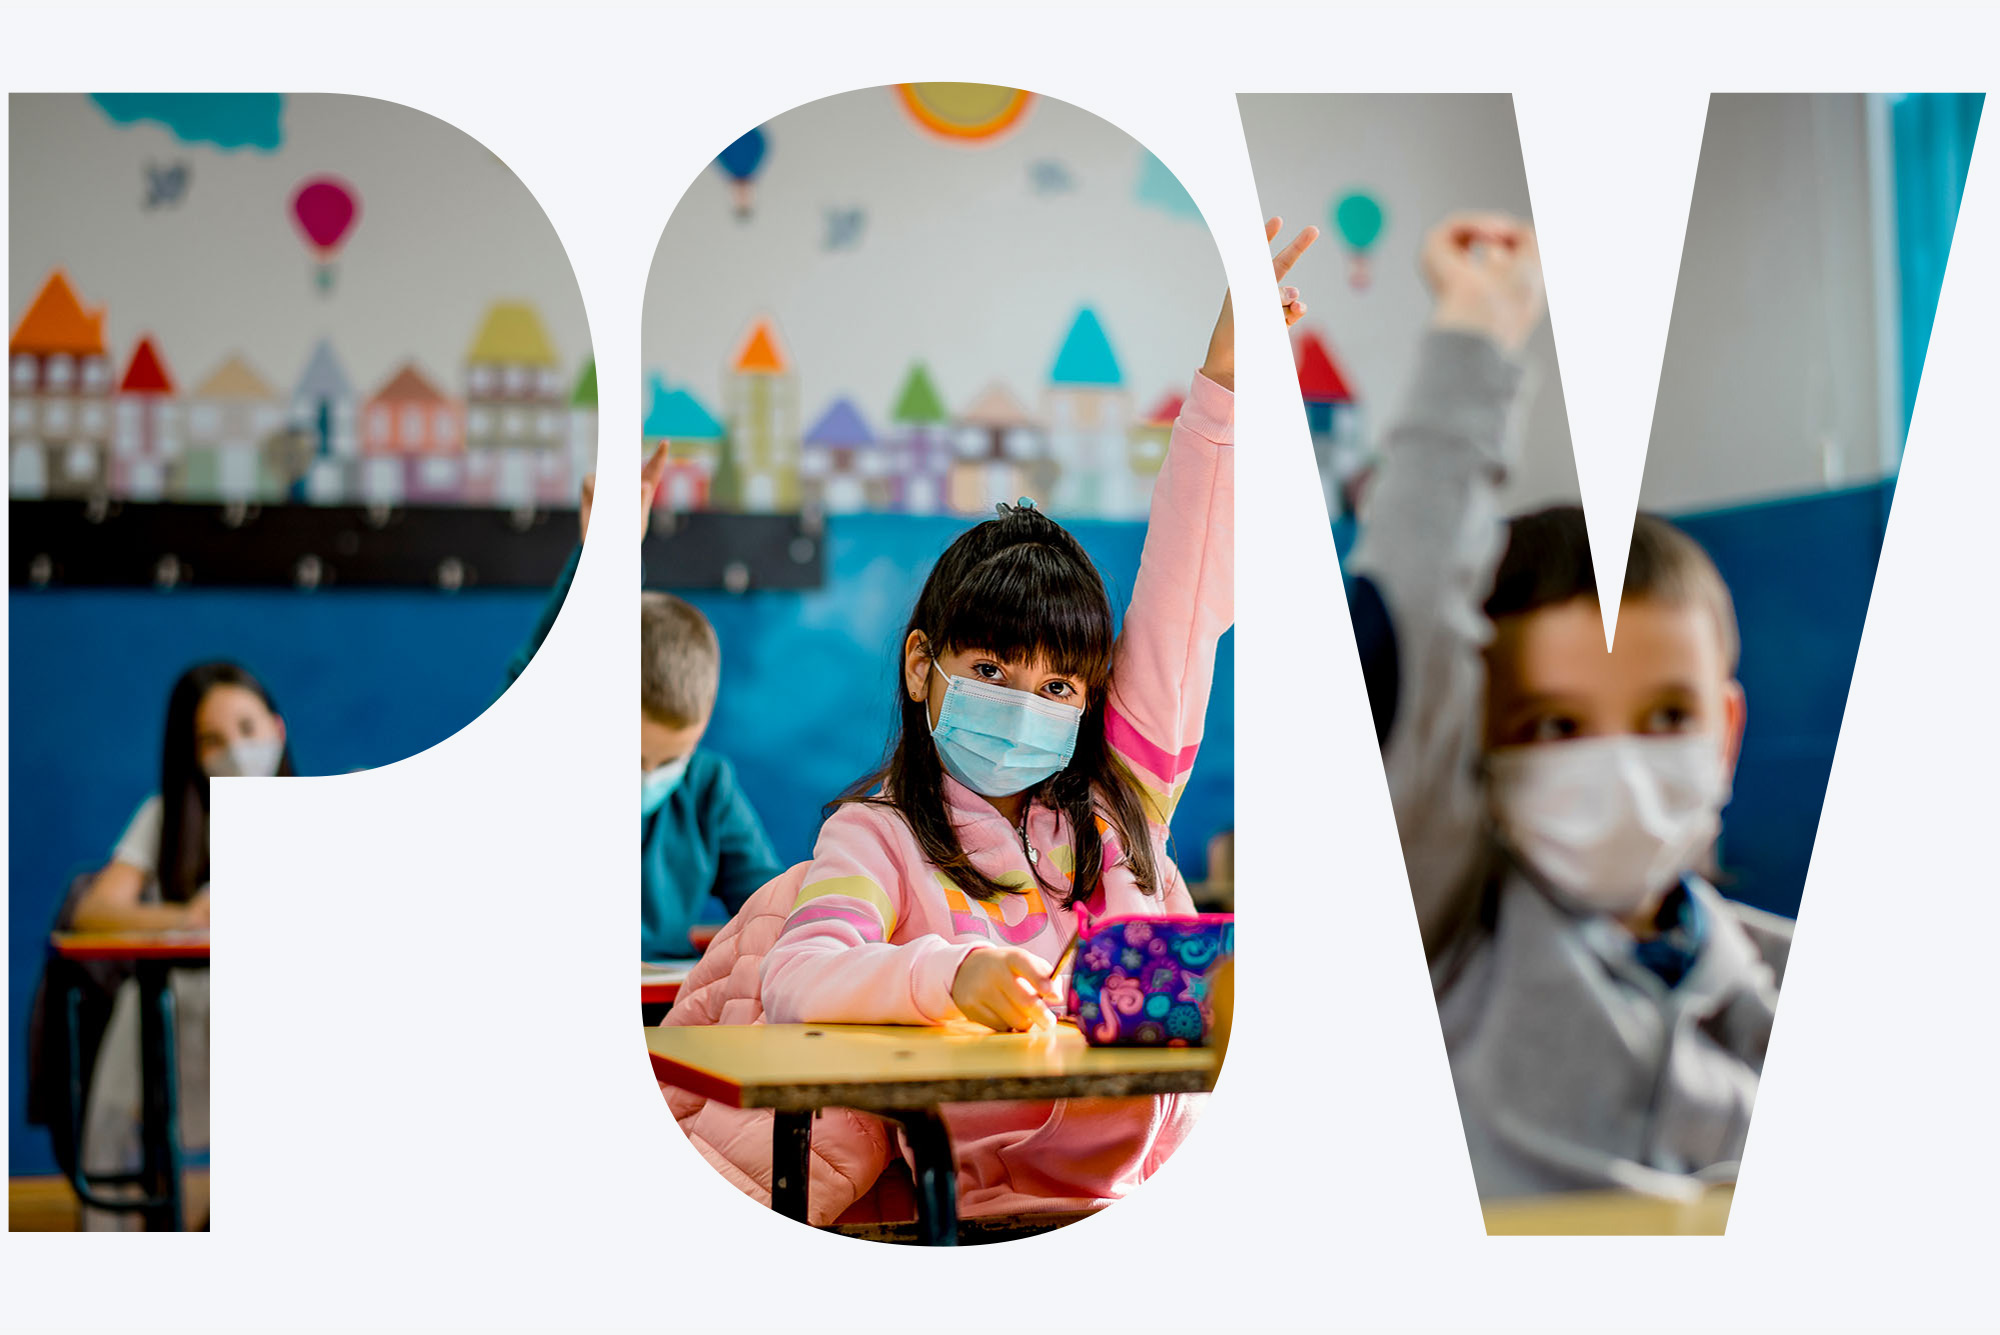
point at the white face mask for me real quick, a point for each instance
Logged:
(1609, 822)
(252, 758)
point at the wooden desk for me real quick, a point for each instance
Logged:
(189, 948)
(904, 1072)
(153, 955)
(1601, 1213)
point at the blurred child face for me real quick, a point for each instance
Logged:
(1035, 675)
(1550, 680)
(664, 743)
(229, 716)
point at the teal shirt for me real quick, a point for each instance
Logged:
(705, 840)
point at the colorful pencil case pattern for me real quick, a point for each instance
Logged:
(1144, 982)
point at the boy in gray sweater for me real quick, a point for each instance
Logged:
(1605, 1011)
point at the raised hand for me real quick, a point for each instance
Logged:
(650, 475)
(1220, 365)
(1486, 273)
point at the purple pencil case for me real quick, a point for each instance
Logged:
(1144, 982)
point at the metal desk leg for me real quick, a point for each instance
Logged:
(791, 1163)
(161, 1131)
(936, 1177)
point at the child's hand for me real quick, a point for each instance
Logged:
(1220, 365)
(194, 913)
(650, 474)
(1004, 988)
(1487, 274)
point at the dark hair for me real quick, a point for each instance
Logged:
(1017, 586)
(1548, 562)
(183, 865)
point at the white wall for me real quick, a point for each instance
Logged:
(1770, 384)
(1423, 156)
(445, 229)
(961, 264)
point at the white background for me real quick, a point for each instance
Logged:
(431, 1105)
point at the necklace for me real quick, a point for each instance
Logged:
(1034, 858)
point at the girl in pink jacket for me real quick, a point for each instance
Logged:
(1034, 773)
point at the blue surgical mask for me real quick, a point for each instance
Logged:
(998, 741)
(656, 786)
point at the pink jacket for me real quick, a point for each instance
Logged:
(849, 1149)
(870, 933)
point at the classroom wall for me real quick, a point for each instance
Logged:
(1771, 383)
(84, 724)
(1423, 156)
(445, 229)
(211, 268)
(1800, 570)
(972, 257)
(1780, 370)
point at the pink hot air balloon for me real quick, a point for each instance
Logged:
(325, 209)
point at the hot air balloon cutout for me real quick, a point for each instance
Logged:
(741, 162)
(325, 209)
(1358, 218)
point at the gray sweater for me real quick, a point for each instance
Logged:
(1577, 1067)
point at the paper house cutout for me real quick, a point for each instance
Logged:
(238, 445)
(760, 354)
(842, 468)
(1089, 415)
(1086, 357)
(1000, 453)
(1321, 383)
(59, 427)
(918, 445)
(517, 421)
(759, 468)
(695, 447)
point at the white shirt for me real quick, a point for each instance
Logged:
(139, 846)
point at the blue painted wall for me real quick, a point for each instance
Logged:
(804, 710)
(1800, 572)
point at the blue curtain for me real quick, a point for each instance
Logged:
(1932, 134)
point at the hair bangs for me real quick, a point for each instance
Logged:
(1033, 600)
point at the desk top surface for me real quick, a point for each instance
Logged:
(190, 947)
(1609, 1212)
(799, 1067)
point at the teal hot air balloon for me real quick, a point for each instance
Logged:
(1358, 217)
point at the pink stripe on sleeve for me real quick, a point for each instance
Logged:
(865, 924)
(1126, 739)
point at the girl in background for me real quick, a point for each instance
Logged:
(221, 722)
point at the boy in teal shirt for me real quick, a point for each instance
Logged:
(698, 834)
